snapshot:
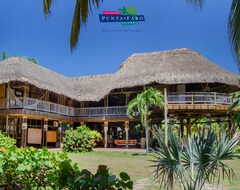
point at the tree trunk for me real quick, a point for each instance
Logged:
(147, 136)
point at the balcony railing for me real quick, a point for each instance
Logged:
(101, 111)
(173, 98)
(199, 98)
(39, 105)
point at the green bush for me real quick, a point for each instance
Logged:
(103, 180)
(6, 142)
(80, 140)
(29, 168)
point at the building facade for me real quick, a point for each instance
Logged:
(37, 105)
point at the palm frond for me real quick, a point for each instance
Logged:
(81, 13)
(47, 7)
(234, 29)
(197, 3)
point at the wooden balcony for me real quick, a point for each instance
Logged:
(175, 101)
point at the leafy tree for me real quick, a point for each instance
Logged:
(3, 56)
(140, 105)
(83, 9)
(194, 162)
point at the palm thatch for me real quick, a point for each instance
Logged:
(92, 87)
(22, 70)
(179, 66)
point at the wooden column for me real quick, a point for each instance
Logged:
(45, 129)
(126, 127)
(24, 131)
(25, 90)
(105, 134)
(171, 121)
(106, 101)
(7, 103)
(208, 121)
(59, 134)
(8, 96)
(189, 131)
(127, 99)
(82, 123)
(181, 129)
(230, 126)
(165, 115)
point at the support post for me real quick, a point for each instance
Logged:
(182, 129)
(82, 123)
(24, 131)
(127, 132)
(105, 134)
(229, 125)
(208, 120)
(171, 122)
(8, 96)
(45, 129)
(127, 99)
(165, 115)
(189, 131)
(59, 135)
(106, 101)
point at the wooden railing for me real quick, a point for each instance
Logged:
(199, 98)
(39, 105)
(173, 98)
(101, 111)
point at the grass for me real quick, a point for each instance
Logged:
(137, 165)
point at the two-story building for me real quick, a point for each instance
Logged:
(37, 104)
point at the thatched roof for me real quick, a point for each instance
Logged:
(165, 67)
(92, 87)
(19, 69)
(171, 67)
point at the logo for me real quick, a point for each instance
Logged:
(126, 16)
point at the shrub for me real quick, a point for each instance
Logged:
(103, 180)
(29, 168)
(6, 142)
(80, 140)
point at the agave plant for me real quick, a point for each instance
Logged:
(194, 163)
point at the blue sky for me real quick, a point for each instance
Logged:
(102, 47)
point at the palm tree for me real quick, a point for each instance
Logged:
(195, 162)
(235, 97)
(233, 26)
(3, 56)
(141, 105)
(83, 9)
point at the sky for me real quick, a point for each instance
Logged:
(103, 47)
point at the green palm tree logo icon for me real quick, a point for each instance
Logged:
(128, 11)
(123, 11)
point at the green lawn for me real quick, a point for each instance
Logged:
(137, 166)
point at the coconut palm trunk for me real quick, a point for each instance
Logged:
(147, 137)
